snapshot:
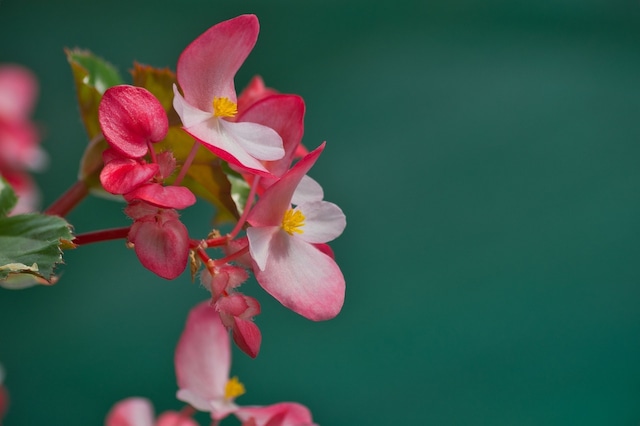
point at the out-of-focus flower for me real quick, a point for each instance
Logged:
(139, 412)
(4, 396)
(20, 151)
(203, 362)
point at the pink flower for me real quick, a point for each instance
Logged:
(139, 412)
(4, 396)
(160, 240)
(131, 118)
(205, 73)
(20, 150)
(283, 244)
(203, 362)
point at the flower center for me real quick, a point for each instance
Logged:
(224, 107)
(234, 388)
(292, 222)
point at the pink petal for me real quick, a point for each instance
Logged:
(173, 418)
(4, 402)
(20, 146)
(203, 358)
(161, 246)
(18, 92)
(255, 91)
(130, 117)
(123, 175)
(276, 200)
(131, 412)
(281, 414)
(302, 278)
(324, 221)
(207, 66)
(172, 197)
(247, 336)
(285, 115)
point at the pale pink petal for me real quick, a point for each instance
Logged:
(285, 115)
(324, 221)
(131, 412)
(20, 146)
(276, 200)
(308, 190)
(173, 418)
(172, 197)
(18, 92)
(161, 246)
(203, 360)
(207, 66)
(302, 278)
(281, 414)
(259, 243)
(130, 117)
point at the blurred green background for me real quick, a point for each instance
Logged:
(486, 155)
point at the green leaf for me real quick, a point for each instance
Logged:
(92, 76)
(239, 188)
(8, 198)
(31, 247)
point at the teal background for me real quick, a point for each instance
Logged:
(486, 156)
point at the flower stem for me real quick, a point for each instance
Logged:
(67, 201)
(102, 235)
(232, 256)
(187, 163)
(247, 208)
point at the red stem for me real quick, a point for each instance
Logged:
(67, 201)
(103, 235)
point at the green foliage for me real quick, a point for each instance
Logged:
(30, 244)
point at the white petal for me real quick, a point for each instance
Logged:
(259, 141)
(323, 221)
(189, 115)
(259, 242)
(308, 190)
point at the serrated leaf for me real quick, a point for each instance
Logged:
(8, 198)
(31, 245)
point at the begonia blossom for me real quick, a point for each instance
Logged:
(131, 118)
(20, 151)
(203, 362)
(282, 243)
(139, 412)
(4, 396)
(208, 102)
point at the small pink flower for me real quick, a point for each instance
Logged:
(283, 242)
(203, 362)
(205, 73)
(139, 412)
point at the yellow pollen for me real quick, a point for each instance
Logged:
(292, 222)
(234, 388)
(224, 107)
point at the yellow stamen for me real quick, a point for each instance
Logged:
(234, 388)
(224, 107)
(292, 222)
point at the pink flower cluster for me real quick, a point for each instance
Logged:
(203, 363)
(20, 151)
(259, 135)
